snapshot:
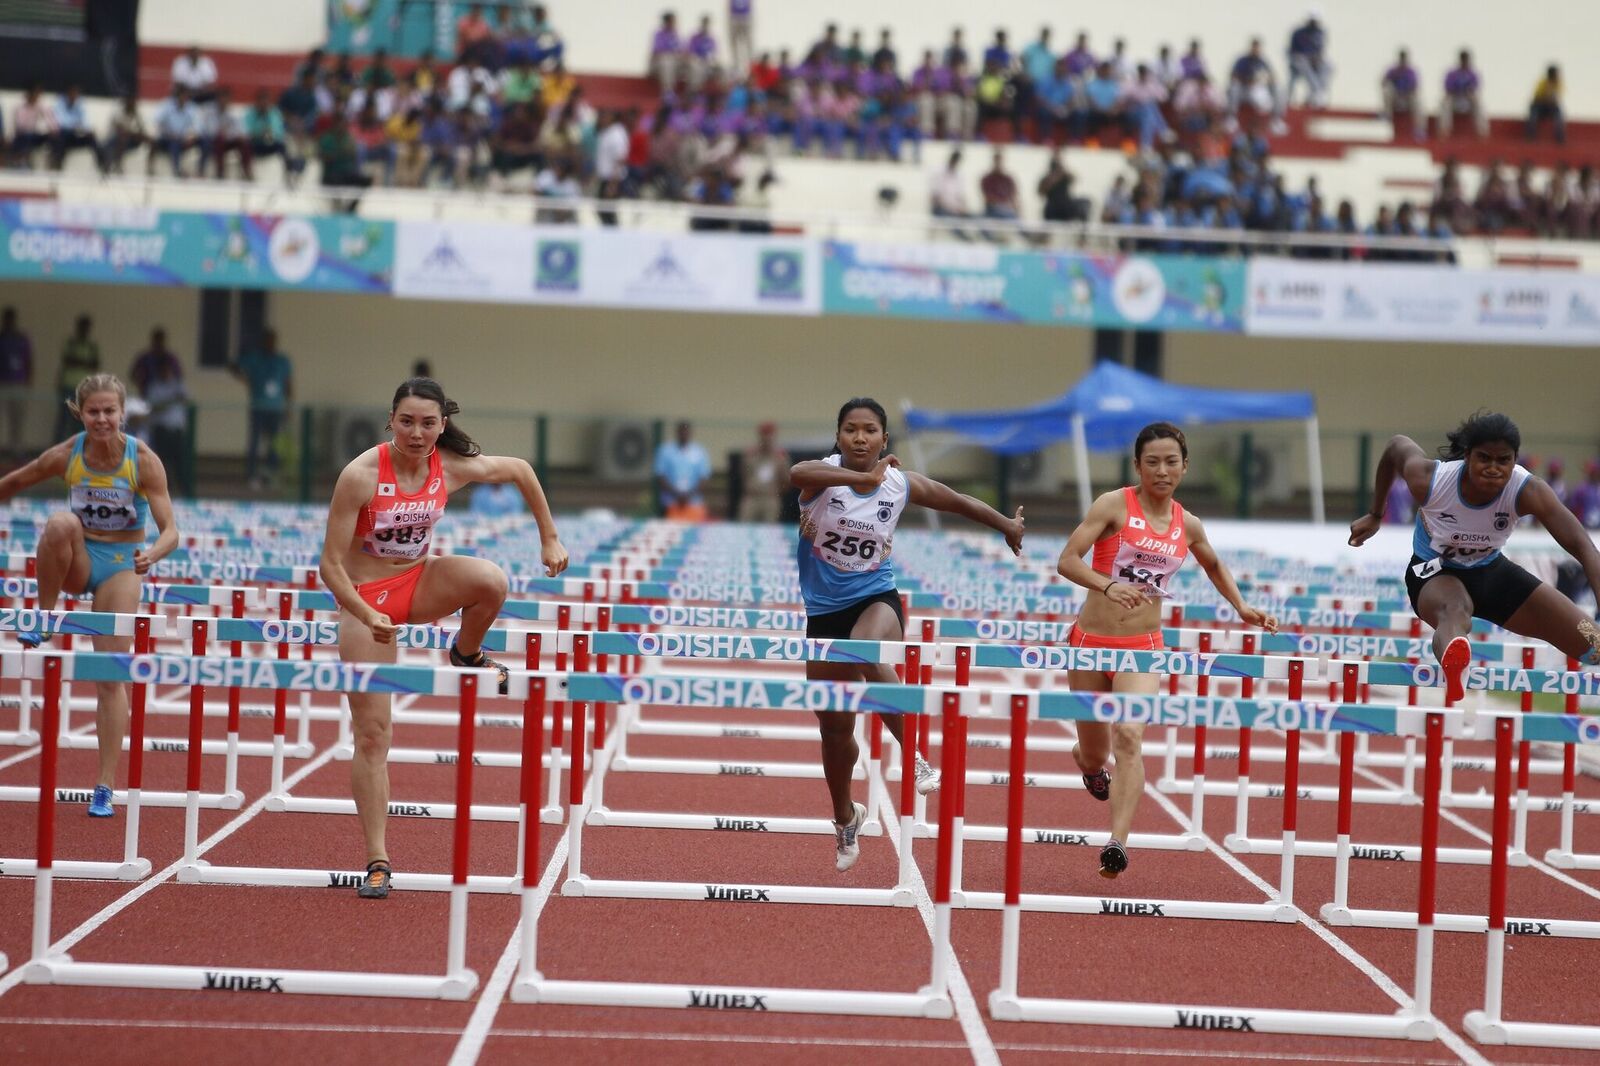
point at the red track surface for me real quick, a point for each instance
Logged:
(1125, 958)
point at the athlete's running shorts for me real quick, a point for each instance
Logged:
(836, 625)
(105, 560)
(1496, 588)
(392, 595)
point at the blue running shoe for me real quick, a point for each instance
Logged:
(31, 641)
(100, 804)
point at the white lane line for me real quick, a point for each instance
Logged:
(111, 910)
(24, 756)
(967, 1012)
(1446, 1036)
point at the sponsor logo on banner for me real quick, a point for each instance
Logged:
(1582, 312)
(293, 249)
(558, 266)
(444, 270)
(665, 275)
(1355, 307)
(1288, 298)
(1138, 291)
(782, 275)
(1526, 305)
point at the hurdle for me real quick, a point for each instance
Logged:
(1488, 1026)
(532, 986)
(45, 967)
(1005, 1002)
(1564, 856)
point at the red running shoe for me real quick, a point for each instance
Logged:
(1456, 656)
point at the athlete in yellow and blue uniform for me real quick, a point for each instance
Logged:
(115, 485)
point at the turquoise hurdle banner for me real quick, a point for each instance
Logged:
(42, 240)
(980, 283)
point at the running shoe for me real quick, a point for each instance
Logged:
(927, 777)
(31, 641)
(376, 884)
(1098, 784)
(1113, 859)
(481, 661)
(1456, 656)
(845, 844)
(100, 802)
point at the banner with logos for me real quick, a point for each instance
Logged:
(44, 240)
(1381, 301)
(608, 268)
(981, 283)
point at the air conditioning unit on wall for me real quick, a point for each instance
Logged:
(624, 450)
(1035, 472)
(345, 432)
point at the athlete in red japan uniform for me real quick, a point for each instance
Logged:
(1140, 536)
(376, 562)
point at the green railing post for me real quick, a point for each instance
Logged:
(1363, 478)
(658, 433)
(541, 448)
(1003, 477)
(1126, 472)
(1246, 451)
(188, 464)
(305, 455)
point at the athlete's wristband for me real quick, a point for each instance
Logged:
(1107, 590)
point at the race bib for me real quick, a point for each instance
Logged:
(104, 510)
(401, 534)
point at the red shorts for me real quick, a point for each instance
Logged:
(1151, 641)
(392, 595)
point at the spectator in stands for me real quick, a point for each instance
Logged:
(700, 55)
(222, 132)
(741, 30)
(439, 143)
(520, 83)
(80, 359)
(1193, 64)
(379, 75)
(514, 145)
(1103, 94)
(474, 37)
(999, 191)
(1167, 68)
(342, 76)
(1060, 112)
(314, 64)
(1080, 61)
(1585, 499)
(558, 181)
(1399, 90)
(463, 80)
(666, 53)
(948, 197)
(496, 501)
(267, 135)
(1546, 106)
(177, 132)
(1492, 205)
(425, 76)
(269, 375)
(16, 379)
(558, 86)
(126, 132)
(1055, 192)
(1462, 100)
(682, 469)
(1036, 68)
(1196, 106)
(885, 53)
(611, 161)
(766, 477)
(72, 131)
(404, 130)
(157, 376)
(300, 104)
(1308, 62)
(371, 137)
(854, 52)
(956, 51)
(341, 162)
(196, 72)
(1251, 83)
(1121, 65)
(1399, 505)
(33, 126)
(1142, 101)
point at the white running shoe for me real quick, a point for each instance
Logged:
(844, 840)
(927, 777)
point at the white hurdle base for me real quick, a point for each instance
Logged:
(61, 970)
(583, 885)
(19, 739)
(203, 873)
(729, 997)
(1208, 1018)
(224, 801)
(1082, 838)
(1328, 849)
(1486, 1030)
(634, 764)
(481, 812)
(735, 823)
(430, 756)
(1315, 793)
(1568, 860)
(137, 870)
(1272, 911)
(211, 746)
(1461, 923)
(651, 727)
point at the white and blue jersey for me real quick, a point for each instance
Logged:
(846, 538)
(1457, 533)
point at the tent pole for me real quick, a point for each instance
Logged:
(1319, 512)
(919, 459)
(1080, 456)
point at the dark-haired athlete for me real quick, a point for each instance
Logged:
(850, 503)
(1468, 502)
(375, 562)
(1140, 536)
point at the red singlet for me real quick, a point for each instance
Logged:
(399, 525)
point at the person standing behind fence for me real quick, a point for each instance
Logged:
(766, 477)
(681, 467)
(270, 376)
(80, 359)
(16, 377)
(158, 377)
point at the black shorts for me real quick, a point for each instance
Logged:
(836, 625)
(1496, 589)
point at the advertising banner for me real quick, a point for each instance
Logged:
(981, 283)
(609, 268)
(44, 240)
(1381, 301)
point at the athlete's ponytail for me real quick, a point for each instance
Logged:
(1483, 427)
(453, 438)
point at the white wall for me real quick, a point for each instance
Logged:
(1511, 43)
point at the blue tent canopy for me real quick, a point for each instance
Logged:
(1115, 403)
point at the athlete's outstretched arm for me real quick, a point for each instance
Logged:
(1402, 457)
(1221, 576)
(153, 482)
(350, 494)
(500, 469)
(1539, 500)
(926, 492)
(52, 462)
(1105, 517)
(814, 475)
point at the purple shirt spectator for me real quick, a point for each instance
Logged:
(1403, 79)
(1079, 62)
(739, 8)
(16, 358)
(1400, 505)
(665, 41)
(1459, 82)
(1245, 67)
(997, 55)
(1192, 65)
(702, 45)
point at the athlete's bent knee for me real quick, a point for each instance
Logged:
(372, 740)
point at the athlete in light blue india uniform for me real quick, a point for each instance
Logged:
(115, 484)
(850, 503)
(1468, 502)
